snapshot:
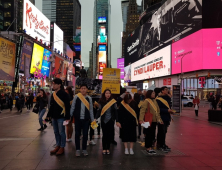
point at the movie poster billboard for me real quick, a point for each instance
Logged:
(120, 65)
(70, 72)
(45, 64)
(26, 57)
(127, 74)
(174, 20)
(57, 72)
(7, 60)
(64, 70)
(37, 56)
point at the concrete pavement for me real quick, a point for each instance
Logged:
(196, 144)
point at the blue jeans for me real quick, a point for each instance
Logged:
(59, 131)
(84, 126)
(41, 114)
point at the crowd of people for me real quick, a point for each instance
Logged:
(125, 111)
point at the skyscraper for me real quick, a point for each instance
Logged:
(132, 21)
(124, 5)
(65, 13)
(100, 32)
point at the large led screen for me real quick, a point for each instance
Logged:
(120, 65)
(155, 65)
(37, 56)
(102, 56)
(174, 20)
(201, 50)
(35, 22)
(127, 73)
(45, 64)
(58, 38)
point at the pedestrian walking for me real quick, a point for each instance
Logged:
(69, 128)
(21, 102)
(60, 113)
(10, 102)
(128, 122)
(31, 100)
(82, 110)
(108, 113)
(137, 98)
(196, 103)
(164, 101)
(150, 107)
(42, 104)
(28, 102)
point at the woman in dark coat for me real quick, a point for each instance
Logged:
(128, 122)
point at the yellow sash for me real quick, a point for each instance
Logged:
(82, 98)
(140, 103)
(163, 101)
(128, 108)
(71, 102)
(107, 106)
(60, 103)
(152, 104)
(95, 104)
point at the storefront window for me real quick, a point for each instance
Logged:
(7, 23)
(7, 14)
(7, 5)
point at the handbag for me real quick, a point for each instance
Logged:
(36, 108)
(148, 116)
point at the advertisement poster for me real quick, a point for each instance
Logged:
(7, 60)
(64, 72)
(58, 67)
(120, 65)
(111, 80)
(174, 20)
(58, 39)
(94, 86)
(35, 23)
(45, 64)
(70, 72)
(176, 102)
(155, 65)
(102, 56)
(37, 56)
(26, 53)
(127, 74)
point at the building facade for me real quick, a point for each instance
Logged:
(133, 13)
(124, 6)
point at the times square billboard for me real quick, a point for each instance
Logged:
(171, 22)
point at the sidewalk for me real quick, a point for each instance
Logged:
(196, 145)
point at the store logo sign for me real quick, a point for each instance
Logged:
(218, 42)
(202, 81)
(218, 54)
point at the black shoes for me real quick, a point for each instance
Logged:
(151, 152)
(167, 148)
(41, 129)
(44, 126)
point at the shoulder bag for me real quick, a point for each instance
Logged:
(148, 116)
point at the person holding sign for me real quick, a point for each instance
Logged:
(82, 111)
(150, 107)
(128, 122)
(59, 112)
(108, 112)
(164, 102)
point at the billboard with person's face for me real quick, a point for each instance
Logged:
(37, 56)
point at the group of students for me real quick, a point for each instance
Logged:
(125, 112)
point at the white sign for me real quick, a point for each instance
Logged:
(58, 38)
(155, 65)
(35, 23)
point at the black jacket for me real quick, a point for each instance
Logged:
(114, 113)
(55, 110)
(42, 102)
(165, 115)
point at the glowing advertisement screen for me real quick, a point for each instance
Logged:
(155, 65)
(37, 56)
(201, 50)
(45, 64)
(102, 48)
(102, 56)
(120, 65)
(127, 73)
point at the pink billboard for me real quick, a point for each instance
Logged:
(200, 50)
(120, 65)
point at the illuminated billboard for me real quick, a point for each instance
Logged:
(155, 65)
(58, 38)
(102, 47)
(102, 39)
(77, 47)
(35, 23)
(45, 64)
(120, 65)
(37, 56)
(101, 20)
(102, 56)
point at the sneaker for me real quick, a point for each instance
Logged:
(167, 148)
(68, 140)
(163, 149)
(126, 152)
(151, 152)
(78, 153)
(41, 129)
(44, 126)
(85, 153)
(92, 142)
(131, 152)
